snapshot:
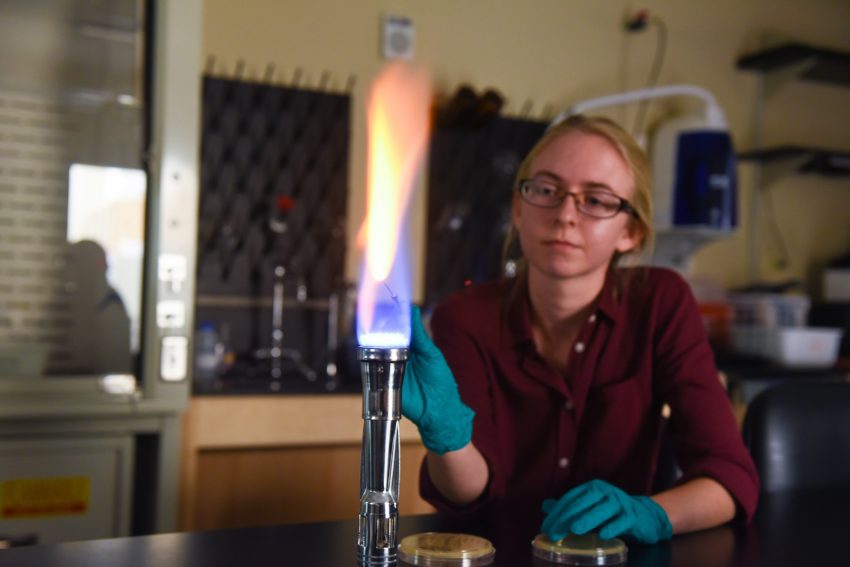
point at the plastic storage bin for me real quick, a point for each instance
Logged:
(809, 347)
(805, 346)
(769, 309)
(836, 285)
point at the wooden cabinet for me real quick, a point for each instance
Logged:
(258, 460)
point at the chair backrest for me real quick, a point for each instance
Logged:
(799, 435)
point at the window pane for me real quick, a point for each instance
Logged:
(71, 84)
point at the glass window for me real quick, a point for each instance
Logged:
(72, 186)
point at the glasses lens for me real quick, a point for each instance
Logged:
(540, 194)
(600, 204)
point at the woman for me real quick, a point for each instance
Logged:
(548, 404)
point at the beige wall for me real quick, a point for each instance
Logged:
(556, 52)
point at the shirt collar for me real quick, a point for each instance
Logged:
(609, 303)
(610, 300)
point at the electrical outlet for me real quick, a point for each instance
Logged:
(173, 364)
(398, 37)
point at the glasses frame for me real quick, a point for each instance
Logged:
(625, 205)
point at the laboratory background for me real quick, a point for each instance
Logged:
(183, 189)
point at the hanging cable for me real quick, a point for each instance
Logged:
(637, 23)
(784, 254)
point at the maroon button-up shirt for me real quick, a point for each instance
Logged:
(543, 432)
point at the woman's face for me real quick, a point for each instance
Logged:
(561, 242)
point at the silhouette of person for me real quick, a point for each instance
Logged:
(99, 333)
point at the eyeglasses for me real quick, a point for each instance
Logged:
(594, 203)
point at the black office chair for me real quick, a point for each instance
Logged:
(799, 435)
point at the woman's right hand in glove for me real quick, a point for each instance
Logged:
(429, 394)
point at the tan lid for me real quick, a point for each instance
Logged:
(434, 549)
(588, 549)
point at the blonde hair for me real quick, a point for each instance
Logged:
(632, 154)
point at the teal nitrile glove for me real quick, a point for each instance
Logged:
(429, 394)
(599, 506)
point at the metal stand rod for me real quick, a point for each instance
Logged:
(276, 352)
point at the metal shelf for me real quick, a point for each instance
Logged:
(829, 163)
(798, 61)
(243, 301)
(775, 67)
(814, 63)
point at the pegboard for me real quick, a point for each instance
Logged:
(470, 179)
(274, 192)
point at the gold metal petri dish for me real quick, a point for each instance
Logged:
(587, 549)
(434, 549)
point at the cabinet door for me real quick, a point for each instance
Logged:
(62, 489)
(284, 485)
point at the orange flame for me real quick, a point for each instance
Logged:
(398, 137)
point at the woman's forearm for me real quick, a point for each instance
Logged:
(697, 504)
(461, 476)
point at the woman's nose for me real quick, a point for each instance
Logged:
(568, 210)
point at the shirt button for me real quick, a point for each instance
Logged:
(569, 405)
(579, 348)
(563, 462)
(592, 318)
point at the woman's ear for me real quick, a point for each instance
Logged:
(631, 239)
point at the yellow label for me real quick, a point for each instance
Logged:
(40, 497)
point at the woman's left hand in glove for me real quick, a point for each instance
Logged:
(599, 506)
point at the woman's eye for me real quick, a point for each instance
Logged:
(601, 201)
(543, 190)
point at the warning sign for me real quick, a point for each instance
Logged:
(40, 497)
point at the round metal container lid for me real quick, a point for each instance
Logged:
(433, 549)
(586, 549)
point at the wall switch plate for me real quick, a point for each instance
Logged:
(170, 314)
(174, 359)
(398, 37)
(172, 271)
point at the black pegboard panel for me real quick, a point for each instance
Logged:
(274, 189)
(470, 177)
(263, 143)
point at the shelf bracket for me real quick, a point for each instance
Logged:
(777, 79)
(774, 171)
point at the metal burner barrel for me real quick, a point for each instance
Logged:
(382, 371)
